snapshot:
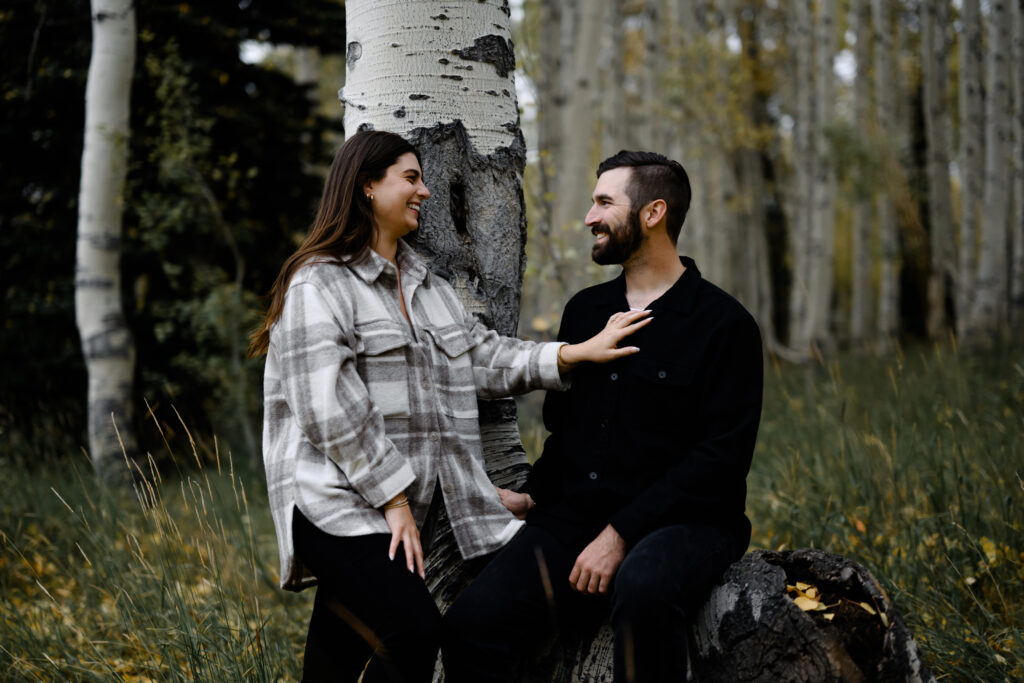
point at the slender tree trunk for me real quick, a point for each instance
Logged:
(889, 286)
(1017, 266)
(971, 154)
(803, 166)
(860, 252)
(456, 101)
(106, 340)
(576, 166)
(989, 310)
(934, 58)
(821, 252)
(613, 123)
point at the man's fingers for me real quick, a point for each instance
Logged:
(594, 583)
(603, 585)
(574, 575)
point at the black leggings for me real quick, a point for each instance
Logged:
(367, 607)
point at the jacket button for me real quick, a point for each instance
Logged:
(434, 436)
(662, 374)
(593, 475)
(614, 376)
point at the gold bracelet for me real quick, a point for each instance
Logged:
(400, 504)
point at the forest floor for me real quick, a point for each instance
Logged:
(912, 466)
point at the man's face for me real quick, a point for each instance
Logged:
(613, 222)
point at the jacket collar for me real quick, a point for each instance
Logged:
(372, 265)
(680, 296)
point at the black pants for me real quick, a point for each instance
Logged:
(367, 607)
(523, 598)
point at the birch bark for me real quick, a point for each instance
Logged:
(989, 309)
(934, 57)
(803, 166)
(860, 252)
(1017, 265)
(106, 340)
(971, 155)
(821, 266)
(443, 77)
(887, 328)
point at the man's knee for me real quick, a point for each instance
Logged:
(643, 589)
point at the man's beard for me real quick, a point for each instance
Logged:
(622, 242)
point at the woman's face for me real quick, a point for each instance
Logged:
(397, 197)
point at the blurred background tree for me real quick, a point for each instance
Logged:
(222, 181)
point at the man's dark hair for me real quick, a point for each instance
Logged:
(654, 176)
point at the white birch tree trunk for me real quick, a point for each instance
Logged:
(887, 329)
(106, 340)
(934, 58)
(1017, 265)
(971, 157)
(989, 309)
(803, 166)
(441, 74)
(860, 252)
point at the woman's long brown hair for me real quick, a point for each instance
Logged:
(343, 227)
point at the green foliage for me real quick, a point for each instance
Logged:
(219, 187)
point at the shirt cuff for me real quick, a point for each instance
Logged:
(385, 480)
(548, 364)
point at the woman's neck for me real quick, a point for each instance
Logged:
(386, 246)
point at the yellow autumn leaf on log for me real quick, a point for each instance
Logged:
(807, 604)
(867, 608)
(829, 617)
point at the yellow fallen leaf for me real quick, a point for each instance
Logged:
(812, 592)
(867, 608)
(802, 586)
(829, 617)
(807, 604)
(885, 619)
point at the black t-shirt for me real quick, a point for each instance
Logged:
(661, 437)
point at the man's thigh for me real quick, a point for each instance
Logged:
(677, 565)
(522, 597)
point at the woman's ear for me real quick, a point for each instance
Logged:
(368, 189)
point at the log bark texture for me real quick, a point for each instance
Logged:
(750, 629)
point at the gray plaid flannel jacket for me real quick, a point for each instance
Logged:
(359, 407)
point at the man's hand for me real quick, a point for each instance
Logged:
(517, 503)
(598, 562)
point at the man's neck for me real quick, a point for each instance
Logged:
(650, 273)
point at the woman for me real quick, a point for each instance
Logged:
(372, 375)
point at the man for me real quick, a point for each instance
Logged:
(637, 502)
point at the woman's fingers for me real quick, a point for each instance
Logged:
(395, 540)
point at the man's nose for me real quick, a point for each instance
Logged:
(591, 217)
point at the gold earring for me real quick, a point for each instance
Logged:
(370, 197)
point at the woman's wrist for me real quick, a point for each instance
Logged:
(568, 356)
(399, 501)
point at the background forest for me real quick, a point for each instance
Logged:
(858, 176)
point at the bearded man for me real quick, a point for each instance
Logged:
(636, 506)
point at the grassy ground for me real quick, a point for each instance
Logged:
(911, 466)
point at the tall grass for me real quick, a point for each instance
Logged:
(172, 581)
(911, 466)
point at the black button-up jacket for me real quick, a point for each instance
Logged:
(662, 437)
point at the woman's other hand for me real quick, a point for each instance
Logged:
(516, 503)
(604, 346)
(404, 532)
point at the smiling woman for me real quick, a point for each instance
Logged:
(370, 401)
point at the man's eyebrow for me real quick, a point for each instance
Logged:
(599, 197)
